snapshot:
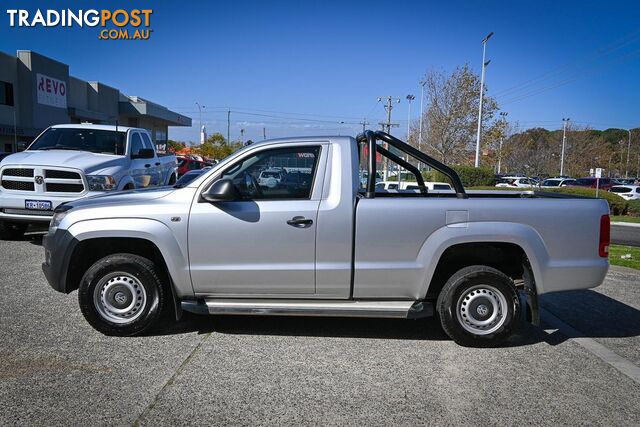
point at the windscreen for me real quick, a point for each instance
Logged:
(550, 183)
(92, 140)
(620, 190)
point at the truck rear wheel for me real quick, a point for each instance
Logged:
(122, 295)
(12, 230)
(479, 306)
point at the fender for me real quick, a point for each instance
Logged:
(173, 252)
(124, 181)
(472, 232)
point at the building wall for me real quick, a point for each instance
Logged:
(8, 114)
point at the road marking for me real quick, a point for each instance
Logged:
(614, 360)
(626, 224)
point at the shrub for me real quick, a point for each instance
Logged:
(633, 207)
(617, 204)
(470, 176)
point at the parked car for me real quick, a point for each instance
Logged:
(271, 177)
(627, 192)
(186, 164)
(557, 182)
(69, 162)
(590, 182)
(411, 185)
(515, 182)
(225, 245)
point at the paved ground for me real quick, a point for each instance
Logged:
(55, 369)
(625, 234)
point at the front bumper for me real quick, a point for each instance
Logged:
(58, 248)
(12, 205)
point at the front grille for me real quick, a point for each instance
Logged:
(18, 185)
(27, 212)
(64, 188)
(53, 173)
(18, 172)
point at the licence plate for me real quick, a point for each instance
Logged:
(40, 205)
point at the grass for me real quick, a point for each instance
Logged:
(616, 251)
(620, 218)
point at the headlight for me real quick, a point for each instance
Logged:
(101, 182)
(58, 215)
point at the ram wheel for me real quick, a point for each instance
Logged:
(479, 307)
(121, 295)
(12, 230)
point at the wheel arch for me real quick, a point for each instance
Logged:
(498, 245)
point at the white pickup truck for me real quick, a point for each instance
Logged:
(70, 162)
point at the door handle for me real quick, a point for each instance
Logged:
(148, 165)
(157, 163)
(300, 222)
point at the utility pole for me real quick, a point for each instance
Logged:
(484, 67)
(241, 136)
(386, 127)
(626, 173)
(228, 126)
(564, 142)
(503, 114)
(364, 124)
(264, 133)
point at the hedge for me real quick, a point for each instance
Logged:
(617, 204)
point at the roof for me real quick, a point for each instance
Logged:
(96, 127)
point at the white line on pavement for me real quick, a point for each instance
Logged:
(626, 224)
(614, 360)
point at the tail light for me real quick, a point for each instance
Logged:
(605, 236)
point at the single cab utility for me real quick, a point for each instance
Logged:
(326, 245)
(70, 162)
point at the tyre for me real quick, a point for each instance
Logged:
(479, 307)
(122, 295)
(12, 230)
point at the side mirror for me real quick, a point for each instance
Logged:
(222, 190)
(144, 153)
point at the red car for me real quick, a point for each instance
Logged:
(186, 164)
(590, 182)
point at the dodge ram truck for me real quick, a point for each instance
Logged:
(326, 244)
(69, 162)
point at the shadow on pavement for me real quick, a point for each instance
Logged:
(592, 313)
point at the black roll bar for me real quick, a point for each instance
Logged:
(371, 137)
(402, 162)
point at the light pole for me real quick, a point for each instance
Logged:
(484, 67)
(409, 99)
(200, 107)
(421, 119)
(503, 114)
(626, 173)
(565, 121)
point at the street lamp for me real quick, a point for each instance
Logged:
(421, 119)
(200, 107)
(565, 121)
(409, 99)
(484, 67)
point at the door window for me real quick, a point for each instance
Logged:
(255, 177)
(136, 144)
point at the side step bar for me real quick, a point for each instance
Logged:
(322, 308)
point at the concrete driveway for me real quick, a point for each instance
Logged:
(581, 367)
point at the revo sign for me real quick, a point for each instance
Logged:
(52, 92)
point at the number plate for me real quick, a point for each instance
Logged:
(40, 205)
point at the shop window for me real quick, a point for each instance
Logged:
(6, 93)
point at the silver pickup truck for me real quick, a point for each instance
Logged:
(320, 243)
(69, 162)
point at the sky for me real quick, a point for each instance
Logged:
(319, 67)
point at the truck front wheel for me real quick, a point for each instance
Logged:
(12, 230)
(122, 295)
(479, 306)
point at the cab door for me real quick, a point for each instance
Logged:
(263, 243)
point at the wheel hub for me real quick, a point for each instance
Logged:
(481, 310)
(119, 297)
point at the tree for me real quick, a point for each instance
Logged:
(451, 119)
(174, 146)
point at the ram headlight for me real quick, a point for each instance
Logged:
(101, 182)
(58, 215)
